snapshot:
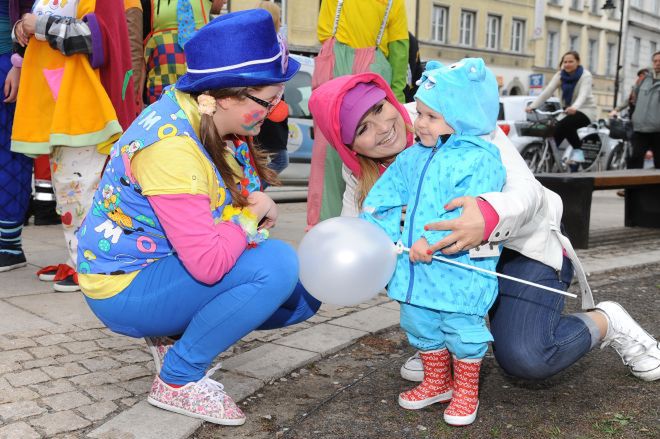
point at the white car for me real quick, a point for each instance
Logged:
(512, 114)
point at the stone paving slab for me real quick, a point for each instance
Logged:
(322, 338)
(371, 320)
(269, 361)
(15, 319)
(144, 421)
(60, 308)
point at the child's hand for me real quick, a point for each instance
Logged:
(419, 251)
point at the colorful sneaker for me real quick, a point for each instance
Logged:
(67, 285)
(637, 348)
(10, 261)
(436, 386)
(204, 399)
(158, 346)
(53, 273)
(412, 369)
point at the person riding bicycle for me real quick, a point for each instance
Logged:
(575, 91)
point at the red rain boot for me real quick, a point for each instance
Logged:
(436, 386)
(464, 404)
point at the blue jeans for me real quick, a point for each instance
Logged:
(279, 160)
(260, 292)
(533, 340)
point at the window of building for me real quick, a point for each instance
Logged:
(574, 43)
(596, 6)
(517, 35)
(637, 44)
(552, 48)
(593, 55)
(654, 48)
(439, 23)
(636, 3)
(610, 64)
(493, 32)
(468, 19)
(554, 2)
(576, 4)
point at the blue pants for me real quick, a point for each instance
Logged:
(15, 169)
(464, 335)
(533, 340)
(260, 292)
(279, 160)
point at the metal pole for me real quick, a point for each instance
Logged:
(618, 56)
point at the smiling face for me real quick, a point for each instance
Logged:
(244, 116)
(381, 133)
(430, 125)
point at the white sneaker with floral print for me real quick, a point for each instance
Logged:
(204, 399)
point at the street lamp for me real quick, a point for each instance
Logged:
(609, 4)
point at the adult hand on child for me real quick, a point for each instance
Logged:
(419, 251)
(264, 208)
(11, 85)
(467, 231)
(571, 110)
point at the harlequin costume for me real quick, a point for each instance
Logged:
(443, 306)
(164, 21)
(164, 252)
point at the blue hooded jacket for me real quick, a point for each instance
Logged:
(425, 179)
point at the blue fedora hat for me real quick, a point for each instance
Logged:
(240, 49)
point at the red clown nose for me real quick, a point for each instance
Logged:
(279, 113)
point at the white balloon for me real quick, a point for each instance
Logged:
(345, 260)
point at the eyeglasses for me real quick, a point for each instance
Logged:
(267, 105)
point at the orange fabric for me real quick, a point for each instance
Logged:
(82, 115)
(128, 4)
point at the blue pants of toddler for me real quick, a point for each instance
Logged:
(464, 335)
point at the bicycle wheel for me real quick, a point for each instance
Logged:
(533, 156)
(617, 158)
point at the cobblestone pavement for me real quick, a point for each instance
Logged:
(62, 374)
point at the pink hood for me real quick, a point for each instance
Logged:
(325, 103)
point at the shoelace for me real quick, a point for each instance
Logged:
(215, 389)
(627, 347)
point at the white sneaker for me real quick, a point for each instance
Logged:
(158, 346)
(637, 348)
(204, 399)
(412, 369)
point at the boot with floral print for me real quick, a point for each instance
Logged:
(204, 399)
(436, 386)
(464, 404)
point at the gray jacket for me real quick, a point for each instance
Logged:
(646, 117)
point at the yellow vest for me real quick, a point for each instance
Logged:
(82, 114)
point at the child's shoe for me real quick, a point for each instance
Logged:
(158, 346)
(465, 402)
(436, 386)
(204, 399)
(412, 369)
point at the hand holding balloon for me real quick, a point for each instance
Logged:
(345, 261)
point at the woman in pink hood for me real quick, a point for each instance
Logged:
(363, 121)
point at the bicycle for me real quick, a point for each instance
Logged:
(548, 157)
(621, 130)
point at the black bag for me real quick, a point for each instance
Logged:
(621, 128)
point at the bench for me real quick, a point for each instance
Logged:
(642, 200)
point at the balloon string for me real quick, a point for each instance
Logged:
(493, 273)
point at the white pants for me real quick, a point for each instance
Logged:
(76, 173)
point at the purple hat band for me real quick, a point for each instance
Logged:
(355, 104)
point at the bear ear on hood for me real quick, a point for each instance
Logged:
(476, 69)
(431, 65)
